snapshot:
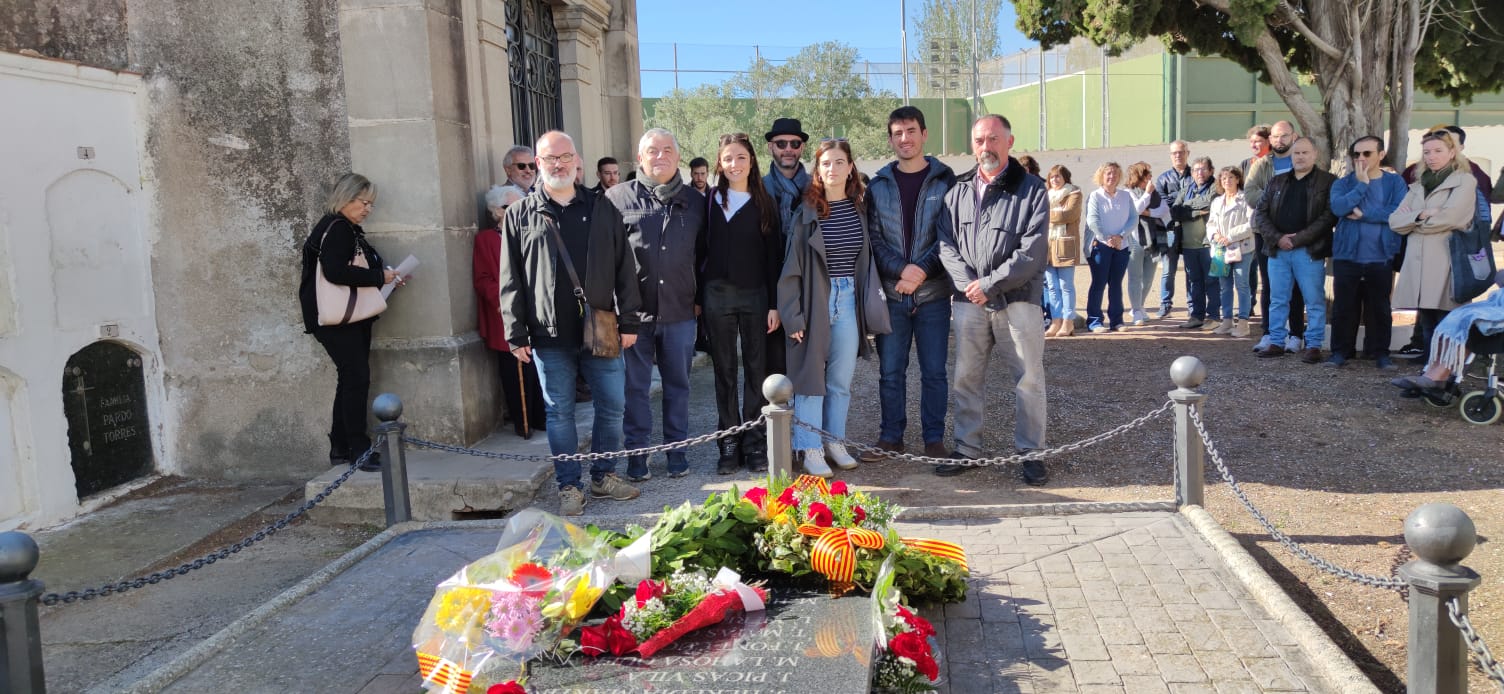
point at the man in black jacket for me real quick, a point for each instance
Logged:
(543, 310)
(1295, 218)
(664, 219)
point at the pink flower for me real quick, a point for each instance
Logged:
(820, 515)
(756, 495)
(838, 488)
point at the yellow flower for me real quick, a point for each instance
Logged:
(462, 609)
(581, 600)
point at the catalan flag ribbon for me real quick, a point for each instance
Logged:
(939, 548)
(834, 551)
(445, 673)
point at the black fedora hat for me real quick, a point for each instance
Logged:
(786, 126)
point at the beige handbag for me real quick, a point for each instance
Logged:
(340, 304)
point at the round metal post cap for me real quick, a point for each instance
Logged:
(1440, 533)
(18, 556)
(387, 407)
(778, 389)
(1188, 372)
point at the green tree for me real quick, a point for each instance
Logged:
(1365, 56)
(943, 47)
(697, 117)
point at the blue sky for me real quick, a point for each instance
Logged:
(716, 37)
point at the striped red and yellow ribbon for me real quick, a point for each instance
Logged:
(445, 673)
(939, 548)
(834, 551)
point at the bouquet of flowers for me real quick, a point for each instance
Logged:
(486, 621)
(663, 611)
(843, 534)
(909, 660)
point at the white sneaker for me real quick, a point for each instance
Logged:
(839, 457)
(1294, 344)
(1263, 344)
(1140, 317)
(1239, 328)
(1223, 327)
(814, 463)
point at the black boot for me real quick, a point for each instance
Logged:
(755, 453)
(731, 456)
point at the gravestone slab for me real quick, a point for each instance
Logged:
(104, 401)
(803, 642)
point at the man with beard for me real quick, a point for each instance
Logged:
(699, 175)
(785, 181)
(664, 226)
(994, 249)
(1168, 185)
(607, 174)
(564, 247)
(1281, 137)
(521, 167)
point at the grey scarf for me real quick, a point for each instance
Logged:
(666, 192)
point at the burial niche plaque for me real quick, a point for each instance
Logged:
(803, 643)
(104, 401)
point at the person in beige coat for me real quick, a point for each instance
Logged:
(1442, 200)
(1065, 252)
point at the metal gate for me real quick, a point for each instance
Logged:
(533, 52)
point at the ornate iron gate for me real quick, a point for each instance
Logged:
(533, 51)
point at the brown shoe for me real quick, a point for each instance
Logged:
(936, 450)
(1272, 351)
(1311, 355)
(1067, 329)
(885, 446)
(1054, 328)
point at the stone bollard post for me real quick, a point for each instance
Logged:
(388, 409)
(1440, 536)
(1188, 373)
(20, 631)
(779, 391)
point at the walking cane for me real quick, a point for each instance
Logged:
(527, 424)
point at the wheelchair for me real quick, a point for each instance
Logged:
(1484, 406)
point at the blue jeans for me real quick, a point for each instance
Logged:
(1107, 269)
(1205, 299)
(829, 411)
(557, 368)
(1141, 277)
(1171, 262)
(672, 347)
(1060, 292)
(1237, 279)
(1290, 269)
(928, 325)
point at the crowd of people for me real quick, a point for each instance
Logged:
(790, 270)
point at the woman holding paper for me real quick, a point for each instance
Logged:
(333, 245)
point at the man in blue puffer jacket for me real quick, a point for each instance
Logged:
(905, 209)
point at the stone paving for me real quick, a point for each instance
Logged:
(1135, 603)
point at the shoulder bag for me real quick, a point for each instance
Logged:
(1472, 257)
(341, 304)
(602, 336)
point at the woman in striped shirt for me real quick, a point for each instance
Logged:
(829, 298)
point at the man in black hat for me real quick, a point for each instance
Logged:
(785, 181)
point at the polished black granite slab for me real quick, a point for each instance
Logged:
(803, 643)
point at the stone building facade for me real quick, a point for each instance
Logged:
(169, 161)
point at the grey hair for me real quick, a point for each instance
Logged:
(499, 197)
(346, 189)
(565, 135)
(647, 138)
(512, 153)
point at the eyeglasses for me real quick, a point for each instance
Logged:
(1364, 153)
(788, 144)
(566, 158)
(525, 165)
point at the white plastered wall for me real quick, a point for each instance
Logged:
(74, 265)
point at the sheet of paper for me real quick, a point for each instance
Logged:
(405, 269)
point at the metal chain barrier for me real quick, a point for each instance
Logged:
(983, 462)
(224, 552)
(587, 457)
(1293, 546)
(1475, 643)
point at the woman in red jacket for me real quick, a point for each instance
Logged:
(519, 381)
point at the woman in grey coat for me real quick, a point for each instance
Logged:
(830, 299)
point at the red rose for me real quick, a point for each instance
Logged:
(649, 589)
(838, 488)
(787, 497)
(913, 646)
(756, 495)
(916, 623)
(820, 515)
(858, 514)
(506, 688)
(609, 636)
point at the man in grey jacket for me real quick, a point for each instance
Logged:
(994, 251)
(906, 207)
(664, 220)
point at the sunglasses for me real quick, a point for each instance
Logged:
(788, 144)
(1364, 153)
(526, 165)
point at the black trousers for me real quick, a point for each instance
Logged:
(349, 346)
(1361, 290)
(1426, 320)
(1297, 302)
(733, 317)
(520, 389)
